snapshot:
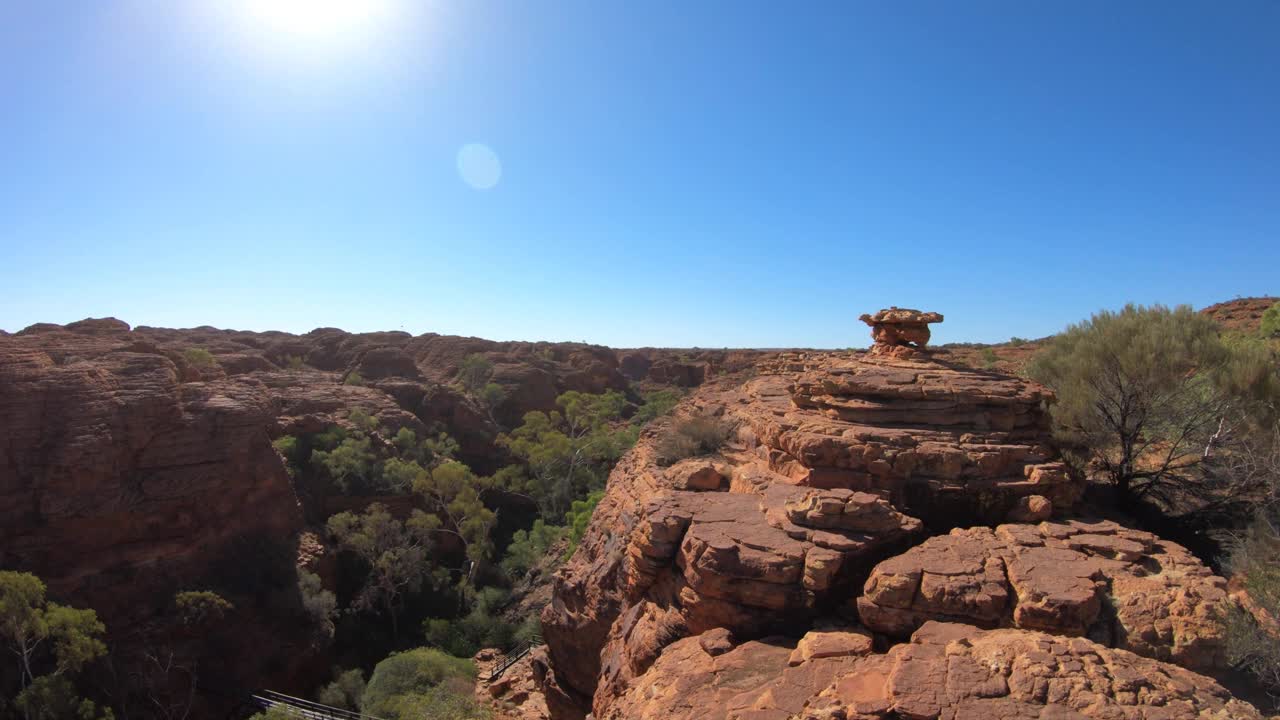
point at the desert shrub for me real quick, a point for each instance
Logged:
(294, 362)
(353, 378)
(1253, 650)
(656, 404)
(1016, 341)
(1271, 322)
(403, 684)
(988, 357)
(1153, 401)
(692, 436)
(346, 690)
(199, 357)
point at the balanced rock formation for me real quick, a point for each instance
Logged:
(834, 463)
(1125, 588)
(947, 671)
(899, 332)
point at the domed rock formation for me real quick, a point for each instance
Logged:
(725, 586)
(900, 332)
(829, 470)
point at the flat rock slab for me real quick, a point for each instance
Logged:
(1124, 587)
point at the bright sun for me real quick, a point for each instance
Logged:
(316, 18)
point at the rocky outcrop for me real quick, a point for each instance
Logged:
(831, 461)
(900, 332)
(948, 445)
(947, 671)
(680, 595)
(706, 544)
(1125, 588)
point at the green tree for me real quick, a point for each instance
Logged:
(569, 451)
(320, 604)
(452, 492)
(579, 517)
(528, 547)
(475, 372)
(1152, 398)
(396, 553)
(50, 643)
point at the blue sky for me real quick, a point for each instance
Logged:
(711, 174)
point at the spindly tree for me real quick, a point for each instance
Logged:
(1152, 399)
(50, 643)
(452, 493)
(396, 553)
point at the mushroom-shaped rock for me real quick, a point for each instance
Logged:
(900, 332)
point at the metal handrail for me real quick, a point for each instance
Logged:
(306, 708)
(514, 655)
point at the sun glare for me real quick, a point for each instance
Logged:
(316, 18)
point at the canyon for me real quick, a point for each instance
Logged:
(883, 534)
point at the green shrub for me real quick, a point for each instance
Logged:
(989, 358)
(1271, 321)
(697, 435)
(403, 683)
(656, 404)
(1016, 341)
(320, 604)
(200, 607)
(1155, 400)
(293, 362)
(579, 517)
(474, 372)
(199, 357)
(346, 690)
(353, 378)
(528, 547)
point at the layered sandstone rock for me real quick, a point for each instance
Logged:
(900, 332)
(831, 463)
(1125, 588)
(948, 445)
(950, 671)
(111, 465)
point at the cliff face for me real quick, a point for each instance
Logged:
(138, 462)
(111, 465)
(741, 584)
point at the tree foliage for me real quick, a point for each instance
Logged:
(567, 452)
(1153, 398)
(1271, 322)
(421, 683)
(346, 691)
(396, 553)
(50, 643)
